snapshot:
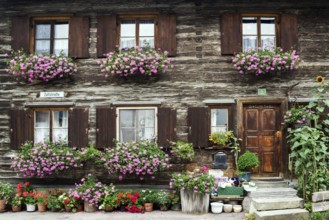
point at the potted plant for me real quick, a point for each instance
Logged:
(195, 188)
(221, 138)
(90, 190)
(70, 204)
(162, 198)
(135, 205)
(110, 201)
(175, 201)
(54, 204)
(29, 200)
(123, 200)
(16, 203)
(265, 61)
(41, 200)
(246, 162)
(148, 197)
(6, 191)
(182, 150)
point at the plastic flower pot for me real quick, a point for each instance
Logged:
(216, 207)
(30, 207)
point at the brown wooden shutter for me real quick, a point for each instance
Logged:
(167, 34)
(20, 32)
(166, 126)
(105, 127)
(78, 127)
(106, 34)
(289, 32)
(79, 37)
(198, 121)
(231, 37)
(21, 123)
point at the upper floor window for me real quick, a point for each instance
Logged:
(51, 36)
(137, 31)
(136, 123)
(50, 125)
(258, 32)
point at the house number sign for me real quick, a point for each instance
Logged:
(51, 94)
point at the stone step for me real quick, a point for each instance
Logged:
(273, 192)
(286, 214)
(266, 204)
(270, 184)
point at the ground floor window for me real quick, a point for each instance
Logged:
(137, 123)
(219, 119)
(50, 125)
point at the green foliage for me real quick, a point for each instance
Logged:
(54, 203)
(6, 191)
(250, 217)
(248, 160)
(148, 196)
(221, 138)
(16, 201)
(111, 198)
(319, 215)
(182, 150)
(162, 197)
(91, 153)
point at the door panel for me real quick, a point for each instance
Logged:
(261, 122)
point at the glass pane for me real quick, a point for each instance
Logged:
(145, 118)
(60, 119)
(127, 42)
(146, 133)
(249, 43)
(267, 26)
(146, 28)
(42, 119)
(128, 28)
(268, 41)
(60, 134)
(219, 120)
(42, 31)
(61, 31)
(41, 135)
(127, 134)
(143, 41)
(61, 45)
(42, 46)
(249, 26)
(127, 118)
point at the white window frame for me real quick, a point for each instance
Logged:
(136, 108)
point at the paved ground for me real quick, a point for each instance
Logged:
(155, 215)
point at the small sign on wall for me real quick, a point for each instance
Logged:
(51, 94)
(261, 91)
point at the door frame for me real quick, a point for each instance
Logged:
(283, 106)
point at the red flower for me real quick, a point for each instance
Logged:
(25, 194)
(76, 198)
(133, 199)
(31, 193)
(137, 195)
(66, 201)
(26, 184)
(19, 187)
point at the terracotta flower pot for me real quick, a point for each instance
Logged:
(80, 208)
(88, 207)
(108, 208)
(67, 209)
(3, 205)
(42, 207)
(148, 207)
(16, 208)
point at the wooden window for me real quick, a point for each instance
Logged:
(259, 32)
(50, 125)
(220, 118)
(136, 123)
(137, 31)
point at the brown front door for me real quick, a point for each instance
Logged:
(261, 135)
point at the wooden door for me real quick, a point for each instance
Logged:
(262, 135)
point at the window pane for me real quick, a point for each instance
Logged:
(61, 45)
(268, 41)
(127, 118)
(42, 46)
(60, 119)
(219, 120)
(143, 41)
(128, 28)
(61, 31)
(249, 43)
(41, 126)
(60, 135)
(267, 26)
(127, 42)
(42, 31)
(249, 26)
(41, 135)
(146, 28)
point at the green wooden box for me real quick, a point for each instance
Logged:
(228, 191)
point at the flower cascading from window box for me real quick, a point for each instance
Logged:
(45, 159)
(266, 61)
(135, 61)
(140, 158)
(42, 67)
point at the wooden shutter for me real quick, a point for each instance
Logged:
(106, 34)
(198, 122)
(231, 37)
(166, 126)
(105, 127)
(21, 123)
(20, 32)
(79, 37)
(288, 32)
(78, 127)
(167, 34)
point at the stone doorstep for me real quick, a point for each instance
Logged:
(265, 204)
(277, 184)
(290, 214)
(273, 192)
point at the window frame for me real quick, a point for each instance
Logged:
(259, 16)
(137, 17)
(117, 136)
(48, 20)
(51, 115)
(229, 115)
